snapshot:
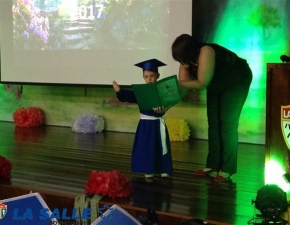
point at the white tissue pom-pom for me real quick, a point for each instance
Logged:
(100, 124)
(87, 123)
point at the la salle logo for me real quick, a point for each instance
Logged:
(285, 123)
(3, 210)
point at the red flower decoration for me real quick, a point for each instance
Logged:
(113, 184)
(28, 117)
(5, 168)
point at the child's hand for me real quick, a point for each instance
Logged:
(161, 109)
(116, 86)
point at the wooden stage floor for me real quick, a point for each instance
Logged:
(57, 162)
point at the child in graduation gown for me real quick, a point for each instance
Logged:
(151, 150)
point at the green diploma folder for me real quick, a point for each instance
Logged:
(165, 92)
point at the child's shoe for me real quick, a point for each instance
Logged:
(148, 175)
(164, 175)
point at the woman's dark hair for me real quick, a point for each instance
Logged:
(185, 49)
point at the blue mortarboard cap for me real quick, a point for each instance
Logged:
(151, 64)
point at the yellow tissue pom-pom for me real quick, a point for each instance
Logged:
(178, 129)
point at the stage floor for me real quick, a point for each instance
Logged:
(57, 160)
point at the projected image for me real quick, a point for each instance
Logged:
(89, 24)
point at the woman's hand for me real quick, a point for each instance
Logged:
(116, 86)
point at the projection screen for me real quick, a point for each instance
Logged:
(88, 42)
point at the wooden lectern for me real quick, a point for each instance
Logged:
(277, 124)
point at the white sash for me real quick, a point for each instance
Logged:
(162, 130)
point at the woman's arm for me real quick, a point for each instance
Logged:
(184, 73)
(205, 70)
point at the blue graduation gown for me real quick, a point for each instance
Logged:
(147, 154)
